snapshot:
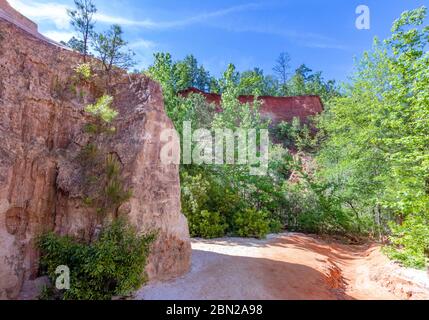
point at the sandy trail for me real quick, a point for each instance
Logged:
(289, 266)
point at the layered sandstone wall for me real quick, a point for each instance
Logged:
(41, 129)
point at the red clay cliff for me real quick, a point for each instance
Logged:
(42, 123)
(277, 109)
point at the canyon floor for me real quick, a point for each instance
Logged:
(289, 267)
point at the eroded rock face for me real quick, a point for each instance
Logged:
(276, 109)
(41, 128)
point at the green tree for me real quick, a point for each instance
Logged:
(110, 49)
(74, 44)
(281, 71)
(82, 20)
(235, 114)
(377, 146)
(254, 82)
(306, 82)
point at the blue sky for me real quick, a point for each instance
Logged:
(321, 34)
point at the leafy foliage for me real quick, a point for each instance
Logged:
(410, 241)
(83, 71)
(236, 115)
(251, 223)
(213, 194)
(181, 74)
(207, 225)
(102, 109)
(82, 20)
(110, 49)
(370, 176)
(376, 148)
(281, 70)
(75, 44)
(296, 135)
(111, 266)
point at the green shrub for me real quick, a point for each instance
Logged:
(207, 225)
(295, 134)
(91, 128)
(251, 223)
(410, 242)
(286, 133)
(275, 226)
(89, 152)
(116, 194)
(220, 200)
(83, 71)
(102, 109)
(112, 265)
(113, 167)
(195, 191)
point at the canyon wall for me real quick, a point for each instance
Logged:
(41, 128)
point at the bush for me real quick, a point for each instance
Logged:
(295, 134)
(251, 223)
(410, 242)
(103, 109)
(83, 71)
(286, 133)
(112, 265)
(211, 203)
(275, 226)
(207, 225)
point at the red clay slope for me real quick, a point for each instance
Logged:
(277, 109)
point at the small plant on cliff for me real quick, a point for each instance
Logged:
(104, 114)
(83, 71)
(102, 109)
(111, 266)
(114, 192)
(103, 169)
(89, 152)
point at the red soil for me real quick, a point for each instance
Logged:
(287, 267)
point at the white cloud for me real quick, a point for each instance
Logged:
(42, 12)
(208, 15)
(142, 43)
(325, 45)
(58, 36)
(147, 23)
(150, 24)
(306, 39)
(57, 13)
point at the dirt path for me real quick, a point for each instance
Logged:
(289, 266)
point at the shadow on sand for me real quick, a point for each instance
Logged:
(215, 276)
